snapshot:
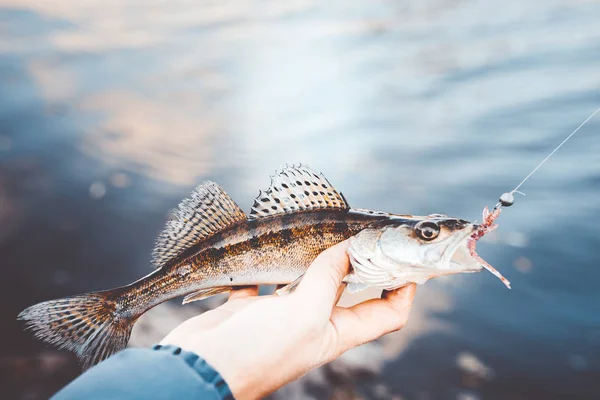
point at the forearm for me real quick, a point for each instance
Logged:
(158, 373)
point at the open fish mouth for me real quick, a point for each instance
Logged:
(462, 258)
(465, 254)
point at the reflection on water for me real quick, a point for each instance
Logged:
(145, 136)
(111, 112)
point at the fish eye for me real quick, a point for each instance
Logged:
(427, 230)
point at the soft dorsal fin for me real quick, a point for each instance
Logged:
(297, 188)
(208, 210)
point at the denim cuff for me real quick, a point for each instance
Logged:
(204, 369)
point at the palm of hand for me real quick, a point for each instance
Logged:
(258, 344)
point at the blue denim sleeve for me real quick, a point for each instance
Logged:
(163, 372)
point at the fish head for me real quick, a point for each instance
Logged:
(434, 241)
(406, 249)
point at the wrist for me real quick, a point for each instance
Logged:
(243, 383)
(205, 370)
(240, 379)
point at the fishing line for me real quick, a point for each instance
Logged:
(507, 199)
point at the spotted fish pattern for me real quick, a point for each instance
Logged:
(209, 246)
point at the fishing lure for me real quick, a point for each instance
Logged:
(508, 199)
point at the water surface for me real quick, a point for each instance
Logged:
(110, 113)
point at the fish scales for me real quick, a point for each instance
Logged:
(212, 245)
(273, 250)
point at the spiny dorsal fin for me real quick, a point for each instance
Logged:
(297, 188)
(208, 210)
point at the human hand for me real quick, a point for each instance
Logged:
(259, 344)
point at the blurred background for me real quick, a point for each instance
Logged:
(111, 111)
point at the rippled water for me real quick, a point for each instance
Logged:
(110, 112)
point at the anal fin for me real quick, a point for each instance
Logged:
(205, 293)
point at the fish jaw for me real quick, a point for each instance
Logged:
(465, 256)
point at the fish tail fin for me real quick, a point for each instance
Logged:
(91, 325)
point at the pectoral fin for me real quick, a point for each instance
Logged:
(354, 285)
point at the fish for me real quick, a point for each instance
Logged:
(212, 246)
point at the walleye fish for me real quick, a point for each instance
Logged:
(212, 246)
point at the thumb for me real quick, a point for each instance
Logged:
(319, 288)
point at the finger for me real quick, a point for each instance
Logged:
(373, 318)
(237, 304)
(319, 288)
(339, 293)
(239, 292)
